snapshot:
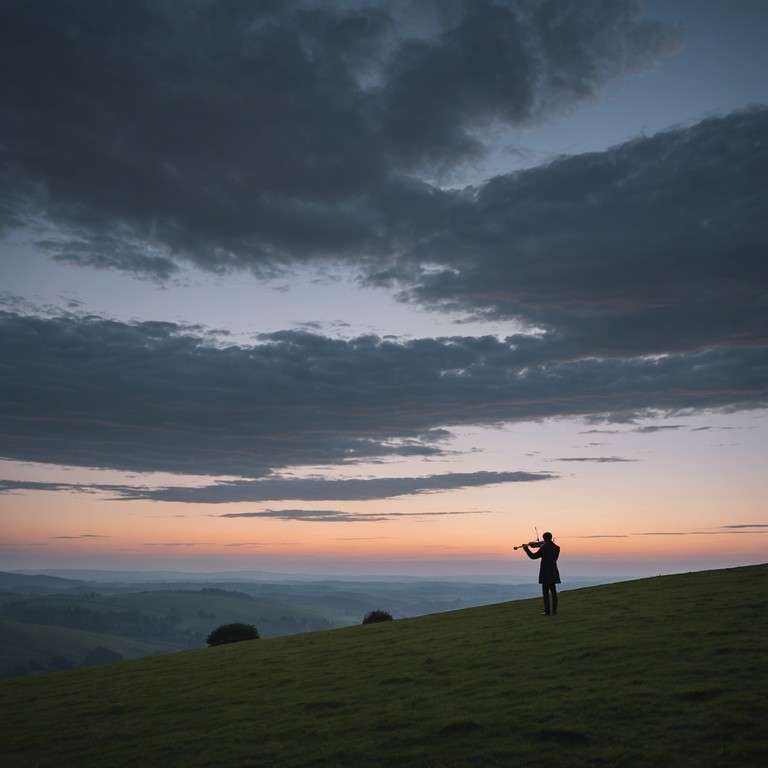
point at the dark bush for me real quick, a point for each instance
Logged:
(232, 633)
(374, 617)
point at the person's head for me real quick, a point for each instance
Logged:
(547, 536)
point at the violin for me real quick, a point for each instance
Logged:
(531, 544)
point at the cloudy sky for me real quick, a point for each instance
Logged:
(358, 286)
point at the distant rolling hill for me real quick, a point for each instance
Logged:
(41, 616)
(56, 631)
(668, 671)
(30, 583)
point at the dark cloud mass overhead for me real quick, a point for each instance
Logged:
(246, 135)
(155, 396)
(654, 246)
(151, 135)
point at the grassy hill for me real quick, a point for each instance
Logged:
(35, 645)
(669, 672)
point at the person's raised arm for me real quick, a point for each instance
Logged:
(533, 555)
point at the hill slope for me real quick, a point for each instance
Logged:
(667, 671)
(162, 617)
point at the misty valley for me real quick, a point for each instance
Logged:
(49, 623)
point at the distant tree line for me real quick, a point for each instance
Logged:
(203, 591)
(225, 592)
(58, 663)
(130, 623)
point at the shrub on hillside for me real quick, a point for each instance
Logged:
(374, 617)
(232, 633)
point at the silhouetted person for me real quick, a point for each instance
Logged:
(549, 576)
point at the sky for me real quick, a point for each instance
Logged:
(383, 287)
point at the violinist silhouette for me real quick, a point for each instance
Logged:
(549, 576)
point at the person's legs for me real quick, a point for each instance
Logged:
(545, 595)
(553, 589)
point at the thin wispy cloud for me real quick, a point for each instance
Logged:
(11, 486)
(653, 428)
(309, 489)
(362, 538)
(746, 526)
(342, 516)
(594, 459)
(307, 515)
(719, 531)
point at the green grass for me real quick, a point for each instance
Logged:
(669, 672)
(22, 643)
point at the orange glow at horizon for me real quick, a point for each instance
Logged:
(689, 500)
(462, 538)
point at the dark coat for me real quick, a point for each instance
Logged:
(548, 552)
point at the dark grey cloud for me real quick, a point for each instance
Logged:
(255, 135)
(111, 252)
(10, 486)
(238, 135)
(282, 488)
(83, 536)
(156, 396)
(747, 525)
(648, 429)
(652, 247)
(321, 489)
(245, 135)
(651, 429)
(594, 459)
